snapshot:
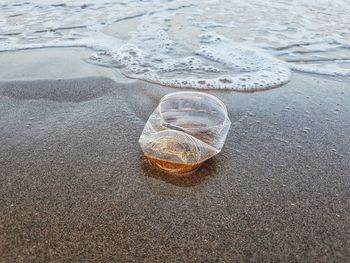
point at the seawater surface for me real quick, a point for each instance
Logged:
(239, 45)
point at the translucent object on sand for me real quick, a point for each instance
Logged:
(185, 130)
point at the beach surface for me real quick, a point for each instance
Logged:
(75, 185)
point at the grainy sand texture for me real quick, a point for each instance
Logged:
(75, 185)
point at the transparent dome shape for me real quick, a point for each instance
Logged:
(185, 130)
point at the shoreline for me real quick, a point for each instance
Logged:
(53, 63)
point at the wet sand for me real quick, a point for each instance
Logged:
(75, 185)
(52, 63)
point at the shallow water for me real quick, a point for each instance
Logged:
(250, 45)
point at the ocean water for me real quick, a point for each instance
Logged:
(227, 44)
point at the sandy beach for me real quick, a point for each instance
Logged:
(75, 185)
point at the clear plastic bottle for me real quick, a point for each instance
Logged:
(186, 129)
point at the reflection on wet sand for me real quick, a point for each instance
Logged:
(203, 173)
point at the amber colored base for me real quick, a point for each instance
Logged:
(173, 167)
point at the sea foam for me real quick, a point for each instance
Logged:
(197, 44)
(220, 66)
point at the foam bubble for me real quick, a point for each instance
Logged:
(210, 37)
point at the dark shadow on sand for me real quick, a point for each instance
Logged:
(203, 173)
